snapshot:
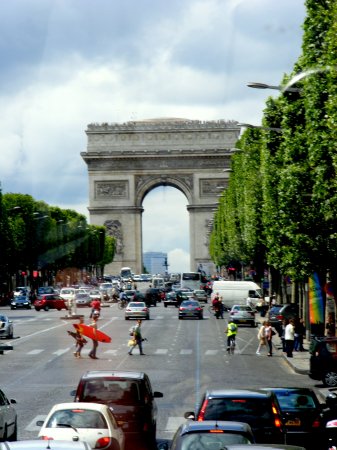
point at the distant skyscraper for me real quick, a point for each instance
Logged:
(154, 262)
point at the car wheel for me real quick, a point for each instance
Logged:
(180, 318)
(200, 317)
(330, 379)
(126, 318)
(14, 436)
(253, 324)
(165, 305)
(46, 308)
(37, 309)
(10, 336)
(12, 307)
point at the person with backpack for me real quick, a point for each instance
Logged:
(231, 331)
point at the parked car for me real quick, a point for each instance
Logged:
(242, 314)
(200, 295)
(190, 309)
(210, 434)
(130, 396)
(49, 301)
(35, 444)
(303, 415)
(90, 422)
(278, 313)
(258, 408)
(83, 299)
(6, 327)
(8, 418)
(137, 310)
(21, 301)
(323, 360)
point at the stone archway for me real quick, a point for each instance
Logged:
(126, 161)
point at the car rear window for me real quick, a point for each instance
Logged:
(295, 401)
(208, 440)
(119, 391)
(255, 411)
(78, 418)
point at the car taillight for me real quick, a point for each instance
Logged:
(279, 317)
(103, 442)
(198, 309)
(46, 438)
(316, 423)
(202, 410)
(277, 419)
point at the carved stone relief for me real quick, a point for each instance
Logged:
(114, 229)
(111, 189)
(211, 187)
(142, 180)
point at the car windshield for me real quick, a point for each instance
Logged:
(136, 305)
(211, 441)
(118, 391)
(255, 411)
(77, 418)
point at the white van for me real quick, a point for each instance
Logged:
(237, 292)
(158, 282)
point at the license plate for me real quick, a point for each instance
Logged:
(293, 423)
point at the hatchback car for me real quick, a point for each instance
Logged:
(49, 301)
(89, 422)
(8, 418)
(6, 327)
(130, 396)
(21, 302)
(303, 416)
(211, 434)
(200, 295)
(242, 314)
(83, 299)
(137, 310)
(190, 309)
(258, 408)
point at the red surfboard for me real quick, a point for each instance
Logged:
(91, 333)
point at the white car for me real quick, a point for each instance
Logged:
(35, 444)
(67, 293)
(8, 419)
(93, 423)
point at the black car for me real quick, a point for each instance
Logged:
(210, 434)
(21, 301)
(129, 394)
(323, 360)
(259, 408)
(152, 297)
(303, 415)
(278, 313)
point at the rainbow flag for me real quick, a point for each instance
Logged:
(316, 305)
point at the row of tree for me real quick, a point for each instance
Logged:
(38, 242)
(280, 208)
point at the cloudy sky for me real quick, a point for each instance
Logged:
(68, 63)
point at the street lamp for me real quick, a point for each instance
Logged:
(255, 85)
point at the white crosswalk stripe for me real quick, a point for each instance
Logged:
(35, 352)
(119, 351)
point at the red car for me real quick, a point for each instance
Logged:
(49, 301)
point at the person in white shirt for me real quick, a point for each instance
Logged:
(289, 337)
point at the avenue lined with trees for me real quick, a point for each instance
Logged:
(41, 244)
(279, 210)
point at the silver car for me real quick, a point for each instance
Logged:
(200, 295)
(242, 314)
(6, 327)
(137, 310)
(8, 419)
(39, 444)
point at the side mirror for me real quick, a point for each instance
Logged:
(189, 415)
(12, 401)
(73, 393)
(157, 394)
(39, 423)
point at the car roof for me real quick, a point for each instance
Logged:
(39, 444)
(254, 393)
(191, 426)
(92, 374)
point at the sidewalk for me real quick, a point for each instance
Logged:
(300, 360)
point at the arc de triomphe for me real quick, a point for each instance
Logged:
(126, 161)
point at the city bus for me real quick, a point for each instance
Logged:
(193, 280)
(126, 273)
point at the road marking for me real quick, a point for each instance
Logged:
(61, 351)
(186, 352)
(161, 351)
(173, 423)
(211, 352)
(35, 352)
